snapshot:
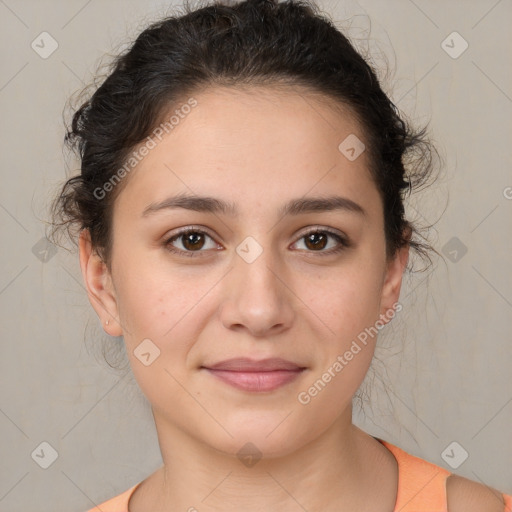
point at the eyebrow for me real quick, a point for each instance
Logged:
(217, 206)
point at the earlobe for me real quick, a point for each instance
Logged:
(98, 283)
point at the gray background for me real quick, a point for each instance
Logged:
(445, 371)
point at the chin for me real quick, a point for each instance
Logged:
(269, 437)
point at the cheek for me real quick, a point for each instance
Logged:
(167, 307)
(349, 305)
(147, 296)
(157, 311)
(346, 301)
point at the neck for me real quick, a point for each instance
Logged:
(334, 472)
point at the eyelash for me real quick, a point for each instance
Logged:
(343, 242)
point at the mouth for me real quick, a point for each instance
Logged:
(255, 376)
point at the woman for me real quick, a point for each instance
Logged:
(242, 227)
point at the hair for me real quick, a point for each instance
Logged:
(250, 43)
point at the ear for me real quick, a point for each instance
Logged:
(98, 282)
(393, 281)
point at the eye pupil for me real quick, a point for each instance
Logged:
(190, 240)
(318, 244)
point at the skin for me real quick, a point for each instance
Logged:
(257, 148)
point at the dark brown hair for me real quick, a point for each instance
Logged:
(253, 42)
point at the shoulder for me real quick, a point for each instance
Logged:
(464, 495)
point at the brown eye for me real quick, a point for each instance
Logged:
(192, 241)
(318, 240)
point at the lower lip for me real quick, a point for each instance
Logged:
(256, 381)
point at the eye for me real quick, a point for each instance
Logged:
(317, 239)
(192, 240)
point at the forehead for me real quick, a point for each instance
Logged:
(252, 143)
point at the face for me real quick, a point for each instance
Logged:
(251, 281)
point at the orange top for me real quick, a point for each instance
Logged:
(421, 487)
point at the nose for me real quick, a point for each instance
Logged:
(257, 298)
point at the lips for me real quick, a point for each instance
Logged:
(243, 364)
(255, 376)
